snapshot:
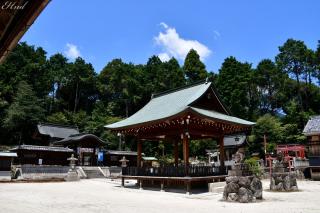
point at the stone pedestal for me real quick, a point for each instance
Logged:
(242, 189)
(72, 176)
(283, 181)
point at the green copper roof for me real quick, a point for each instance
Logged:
(171, 103)
(222, 117)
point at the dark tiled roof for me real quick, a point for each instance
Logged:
(72, 139)
(313, 126)
(57, 131)
(42, 148)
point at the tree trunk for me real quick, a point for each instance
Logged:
(299, 92)
(76, 98)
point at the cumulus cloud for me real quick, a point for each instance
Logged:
(72, 51)
(175, 46)
(164, 57)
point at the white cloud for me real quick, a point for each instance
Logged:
(164, 57)
(173, 45)
(72, 51)
(216, 34)
(164, 25)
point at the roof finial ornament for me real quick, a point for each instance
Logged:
(152, 95)
(207, 80)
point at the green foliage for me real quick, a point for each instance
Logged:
(271, 147)
(165, 160)
(270, 126)
(58, 118)
(72, 93)
(198, 147)
(270, 81)
(194, 69)
(254, 166)
(235, 83)
(276, 133)
(298, 61)
(24, 112)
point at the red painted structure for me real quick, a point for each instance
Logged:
(299, 150)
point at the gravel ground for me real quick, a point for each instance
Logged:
(101, 195)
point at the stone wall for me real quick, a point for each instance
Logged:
(242, 189)
(283, 181)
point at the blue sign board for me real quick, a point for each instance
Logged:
(100, 156)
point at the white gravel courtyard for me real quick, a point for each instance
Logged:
(101, 195)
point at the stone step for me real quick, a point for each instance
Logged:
(216, 187)
(93, 172)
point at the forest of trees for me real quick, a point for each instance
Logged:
(279, 94)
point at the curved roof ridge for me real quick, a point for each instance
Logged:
(156, 95)
(58, 125)
(165, 105)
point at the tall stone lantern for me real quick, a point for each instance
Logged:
(72, 173)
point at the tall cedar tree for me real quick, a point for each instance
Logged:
(235, 84)
(270, 81)
(24, 112)
(193, 68)
(292, 60)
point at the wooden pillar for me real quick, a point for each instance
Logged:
(139, 152)
(185, 144)
(221, 150)
(176, 153)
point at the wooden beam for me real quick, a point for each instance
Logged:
(23, 19)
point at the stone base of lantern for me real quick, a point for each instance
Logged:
(242, 189)
(72, 176)
(283, 181)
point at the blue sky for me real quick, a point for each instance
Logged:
(101, 30)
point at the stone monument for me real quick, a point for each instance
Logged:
(280, 179)
(241, 187)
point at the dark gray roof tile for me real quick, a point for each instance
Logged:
(42, 148)
(313, 126)
(57, 131)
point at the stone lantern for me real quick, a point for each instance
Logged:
(72, 161)
(72, 173)
(124, 161)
